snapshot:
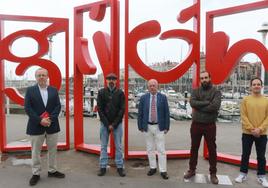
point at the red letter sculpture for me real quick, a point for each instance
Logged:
(57, 25)
(107, 49)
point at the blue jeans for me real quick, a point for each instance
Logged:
(104, 137)
(260, 144)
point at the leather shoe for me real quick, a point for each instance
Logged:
(164, 175)
(151, 172)
(102, 172)
(34, 179)
(189, 174)
(214, 179)
(121, 172)
(56, 174)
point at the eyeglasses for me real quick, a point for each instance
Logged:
(202, 78)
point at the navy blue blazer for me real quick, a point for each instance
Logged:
(162, 112)
(34, 107)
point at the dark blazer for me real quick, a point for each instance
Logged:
(162, 112)
(34, 107)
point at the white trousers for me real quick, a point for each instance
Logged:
(155, 139)
(37, 142)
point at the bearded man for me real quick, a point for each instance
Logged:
(206, 102)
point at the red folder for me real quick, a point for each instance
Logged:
(45, 114)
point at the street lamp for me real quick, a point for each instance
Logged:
(50, 41)
(263, 30)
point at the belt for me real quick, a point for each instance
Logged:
(152, 123)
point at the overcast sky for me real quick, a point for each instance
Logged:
(238, 26)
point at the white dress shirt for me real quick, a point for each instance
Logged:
(44, 94)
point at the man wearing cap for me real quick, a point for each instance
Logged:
(111, 109)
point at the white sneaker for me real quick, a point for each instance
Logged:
(241, 177)
(263, 181)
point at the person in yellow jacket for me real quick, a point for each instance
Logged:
(254, 117)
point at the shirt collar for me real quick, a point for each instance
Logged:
(41, 87)
(153, 95)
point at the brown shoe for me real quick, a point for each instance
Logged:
(214, 179)
(189, 174)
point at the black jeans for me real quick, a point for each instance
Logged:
(260, 144)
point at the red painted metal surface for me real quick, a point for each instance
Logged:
(56, 25)
(151, 29)
(172, 154)
(2, 97)
(27, 147)
(107, 50)
(236, 160)
(222, 58)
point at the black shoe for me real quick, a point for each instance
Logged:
(164, 175)
(151, 172)
(34, 179)
(121, 172)
(102, 172)
(56, 174)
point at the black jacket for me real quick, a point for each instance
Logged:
(111, 106)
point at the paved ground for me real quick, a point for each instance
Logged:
(81, 168)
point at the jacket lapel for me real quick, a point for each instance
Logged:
(158, 99)
(147, 103)
(48, 94)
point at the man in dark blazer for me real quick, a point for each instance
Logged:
(42, 105)
(154, 121)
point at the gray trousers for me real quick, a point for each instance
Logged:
(36, 143)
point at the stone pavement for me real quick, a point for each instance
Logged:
(81, 168)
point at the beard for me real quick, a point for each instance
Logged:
(111, 85)
(206, 85)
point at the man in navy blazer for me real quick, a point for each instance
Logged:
(154, 121)
(42, 105)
